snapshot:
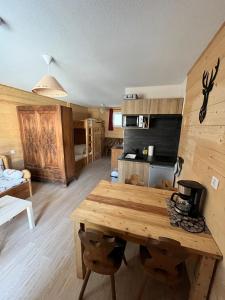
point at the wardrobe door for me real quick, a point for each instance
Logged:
(29, 137)
(50, 138)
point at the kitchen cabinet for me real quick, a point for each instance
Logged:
(128, 168)
(152, 106)
(151, 175)
(115, 153)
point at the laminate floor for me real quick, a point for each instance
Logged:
(40, 264)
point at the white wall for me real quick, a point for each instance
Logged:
(160, 91)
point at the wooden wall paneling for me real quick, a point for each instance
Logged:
(79, 112)
(202, 145)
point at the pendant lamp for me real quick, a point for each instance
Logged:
(48, 86)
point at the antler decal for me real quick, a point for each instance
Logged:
(207, 85)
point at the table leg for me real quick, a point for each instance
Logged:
(79, 249)
(203, 275)
(30, 216)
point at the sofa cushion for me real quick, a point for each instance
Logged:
(12, 174)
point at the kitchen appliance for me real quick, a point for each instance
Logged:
(135, 121)
(189, 198)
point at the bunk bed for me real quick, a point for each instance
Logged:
(88, 135)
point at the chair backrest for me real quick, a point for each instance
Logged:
(97, 244)
(101, 251)
(163, 258)
(166, 247)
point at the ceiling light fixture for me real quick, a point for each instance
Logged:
(48, 86)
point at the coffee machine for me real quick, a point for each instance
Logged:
(189, 198)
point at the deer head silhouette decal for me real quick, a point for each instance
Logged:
(207, 84)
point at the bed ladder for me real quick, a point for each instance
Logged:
(89, 140)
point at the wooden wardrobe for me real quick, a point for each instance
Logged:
(47, 140)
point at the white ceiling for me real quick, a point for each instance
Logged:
(103, 46)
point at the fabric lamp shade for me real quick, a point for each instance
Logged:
(48, 86)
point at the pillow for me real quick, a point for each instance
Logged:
(12, 174)
(1, 167)
(80, 149)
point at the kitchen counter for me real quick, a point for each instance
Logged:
(157, 161)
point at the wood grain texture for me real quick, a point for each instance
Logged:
(128, 168)
(9, 128)
(152, 106)
(47, 139)
(41, 264)
(202, 146)
(143, 224)
(126, 204)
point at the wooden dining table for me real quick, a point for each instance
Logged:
(137, 213)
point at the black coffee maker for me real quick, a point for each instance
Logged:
(189, 198)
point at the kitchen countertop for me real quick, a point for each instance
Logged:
(160, 161)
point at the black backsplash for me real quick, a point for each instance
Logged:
(164, 134)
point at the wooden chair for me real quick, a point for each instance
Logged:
(163, 260)
(102, 254)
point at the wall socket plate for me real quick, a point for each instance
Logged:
(12, 151)
(215, 182)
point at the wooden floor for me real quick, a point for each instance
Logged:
(40, 264)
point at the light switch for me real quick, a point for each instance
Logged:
(215, 182)
(12, 152)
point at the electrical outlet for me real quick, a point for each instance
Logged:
(12, 152)
(215, 182)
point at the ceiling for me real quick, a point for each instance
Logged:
(102, 46)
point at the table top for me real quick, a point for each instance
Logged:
(139, 211)
(11, 206)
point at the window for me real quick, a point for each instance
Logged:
(117, 119)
